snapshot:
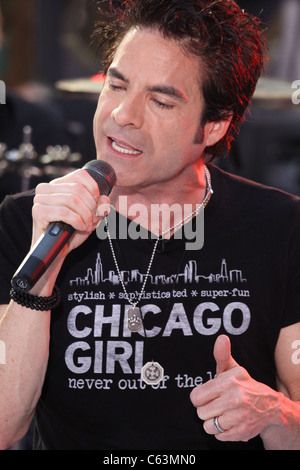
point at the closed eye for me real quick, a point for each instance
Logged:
(162, 105)
(115, 87)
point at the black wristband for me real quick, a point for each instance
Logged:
(34, 301)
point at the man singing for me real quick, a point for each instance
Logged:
(142, 341)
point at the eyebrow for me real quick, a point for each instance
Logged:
(113, 72)
(163, 89)
(168, 90)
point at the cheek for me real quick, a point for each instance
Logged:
(102, 111)
(96, 116)
(95, 120)
(180, 134)
(183, 143)
(104, 103)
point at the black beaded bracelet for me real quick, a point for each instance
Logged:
(34, 301)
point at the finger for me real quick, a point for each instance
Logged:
(205, 393)
(80, 219)
(230, 423)
(68, 207)
(72, 192)
(214, 408)
(233, 424)
(210, 428)
(70, 185)
(222, 354)
(81, 177)
(103, 206)
(73, 189)
(234, 434)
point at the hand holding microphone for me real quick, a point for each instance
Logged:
(61, 208)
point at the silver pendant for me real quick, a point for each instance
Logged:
(152, 373)
(135, 322)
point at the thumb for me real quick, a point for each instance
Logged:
(222, 354)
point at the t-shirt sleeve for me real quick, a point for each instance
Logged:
(15, 238)
(292, 304)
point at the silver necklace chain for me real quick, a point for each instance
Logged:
(209, 192)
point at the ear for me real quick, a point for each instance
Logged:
(214, 131)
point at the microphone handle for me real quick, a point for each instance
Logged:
(58, 233)
(41, 255)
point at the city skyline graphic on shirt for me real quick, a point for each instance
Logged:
(189, 275)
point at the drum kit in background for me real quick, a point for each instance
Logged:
(60, 159)
(26, 168)
(23, 168)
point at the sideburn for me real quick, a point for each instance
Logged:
(199, 135)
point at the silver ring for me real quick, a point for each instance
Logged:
(217, 426)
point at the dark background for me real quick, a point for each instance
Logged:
(46, 129)
(48, 41)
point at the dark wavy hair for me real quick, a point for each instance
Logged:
(228, 41)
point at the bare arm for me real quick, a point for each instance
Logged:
(285, 433)
(24, 332)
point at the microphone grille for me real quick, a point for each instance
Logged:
(103, 173)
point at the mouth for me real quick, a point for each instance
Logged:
(123, 148)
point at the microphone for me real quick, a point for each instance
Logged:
(57, 234)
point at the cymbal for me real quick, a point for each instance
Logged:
(82, 85)
(272, 89)
(268, 89)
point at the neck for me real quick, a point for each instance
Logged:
(160, 206)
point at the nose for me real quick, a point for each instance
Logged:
(129, 112)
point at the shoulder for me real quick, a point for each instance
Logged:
(242, 193)
(20, 202)
(21, 198)
(16, 213)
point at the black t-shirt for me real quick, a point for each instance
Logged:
(243, 282)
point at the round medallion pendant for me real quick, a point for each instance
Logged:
(152, 373)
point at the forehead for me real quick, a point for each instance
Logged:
(144, 54)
